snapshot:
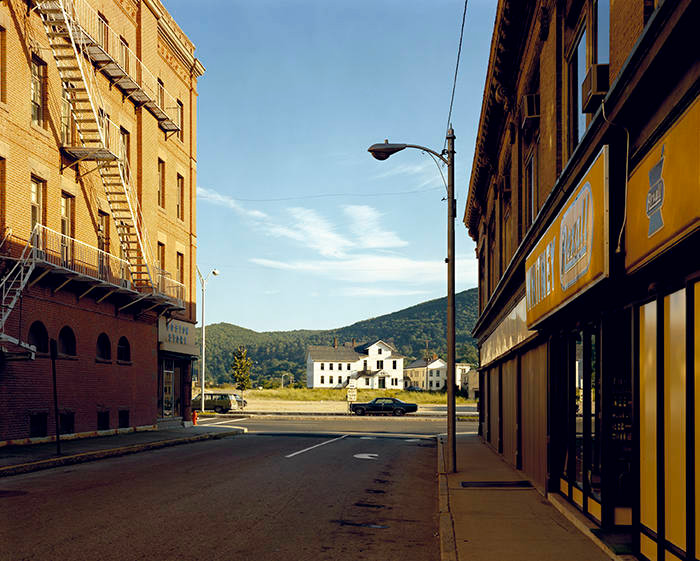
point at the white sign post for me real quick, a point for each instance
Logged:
(352, 392)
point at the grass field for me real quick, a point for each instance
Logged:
(319, 394)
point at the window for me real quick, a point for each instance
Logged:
(38, 424)
(39, 337)
(37, 204)
(322, 378)
(124, 54)
(161, 94)
(531, 185)
(180, 268)
(67, 227)
(330, 366)
(161, 183)
(180, 197)
(102, 31)
(348, 368)
(66, 422)
(103, 420)
(602, 31)
(393, 365)
(340, 366)
(181, 120)
(66, 342)
(379, 350)
(364, 365)
(66, 117)
(124, 418)
(106, 125)
(323, 366)
(125, 151)
(3, 66)
(330, 379)
(104, 347)
(380, 364)
(161, 256)
(38, 91)
(578, 64)
(123, 350)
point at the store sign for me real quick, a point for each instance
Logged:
(663, 192)
(510, 332)
(572, 255)
(177, 336)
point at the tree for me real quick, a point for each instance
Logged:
(240, 369)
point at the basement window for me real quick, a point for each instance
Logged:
(123, 418)
(103, 420)
(38, 425)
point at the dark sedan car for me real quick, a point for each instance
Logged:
(383, 406)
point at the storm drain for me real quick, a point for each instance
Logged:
(369, 505)
(375, 491)
(361, 524)
(520, 484)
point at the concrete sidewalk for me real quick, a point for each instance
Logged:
(485, 522)
(22, 459)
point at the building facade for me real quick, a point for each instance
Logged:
(98, 104)
(429, 375)
(376, 365)
(584, 202)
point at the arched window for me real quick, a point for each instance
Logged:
(66, 341)
(123, 350)
(104, 347)
(39, 337)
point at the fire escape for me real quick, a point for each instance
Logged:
(83, 45)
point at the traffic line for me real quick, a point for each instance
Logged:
(315, 446)
(222, 422)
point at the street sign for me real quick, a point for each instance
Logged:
(352, 394)
(352, 384)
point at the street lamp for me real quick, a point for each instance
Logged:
(381, 152)
(203, 281)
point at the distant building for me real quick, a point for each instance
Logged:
(467, 379)
(376, 365)
(428, 375)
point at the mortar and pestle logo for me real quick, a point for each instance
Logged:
(655, 196)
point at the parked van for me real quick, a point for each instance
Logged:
(221, 402)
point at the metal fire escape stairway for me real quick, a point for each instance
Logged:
(97, 134)
(11, 288)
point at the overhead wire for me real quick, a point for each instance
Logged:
(329, 195)
(454, 84)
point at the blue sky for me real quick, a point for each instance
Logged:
(306, 228)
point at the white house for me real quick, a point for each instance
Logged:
(430, 375)
(375, 365)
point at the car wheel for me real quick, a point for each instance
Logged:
(359, 411)
(218, 410)
(398, 412)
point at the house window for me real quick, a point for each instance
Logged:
(322, 379)
(106, 125)
(124, 54)
(431, 383)
(181, 120)
(393, 365)
(380, 364)
(161, 183)
(348, 368)
(38, 91)
(180, 197)
(330, 366)
(180, 268)
(323, 366)
(330, 379)
(578, 64)
(364, 365)
(379, 350)
(340, 366)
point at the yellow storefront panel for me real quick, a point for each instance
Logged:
(564, 486)
(663, 193)
(647, 421)
(672, 557)
(577, 495)
(647, 547)
(697, 408)
(674, 417)
(572, 255)
(594, 509)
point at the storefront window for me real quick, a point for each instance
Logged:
(594, 415)
(578, 388)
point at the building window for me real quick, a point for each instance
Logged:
(3, 66)
(124, 418)
(66, 118)
(38, 424)
(393, 365)
(39, 337)
(37, 203)
(180, 197)
(578, 64)
(67, 227)
(180, 268)
(38, 91)
(379, 350)
(161, 183)
(66, 342)
(323, 366)
(330, 366)
(123, 350)
(161, 256)
(181, 120)
(161, 94)
(106, 125)
(380, 364)
(124, 54)
(322, 379)
(125, 151)
(330, 379)
(102, 31)
(348, 368)
(103, 420)
(602, 31)
(104, 347)
(531, 185)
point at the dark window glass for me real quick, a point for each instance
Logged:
(603, 31)
(104, 347)
(39, 337)
(123, 350)
(66, 342)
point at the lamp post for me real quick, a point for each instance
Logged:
(203, 281)
(382, 152)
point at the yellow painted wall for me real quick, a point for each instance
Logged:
(647, 421)
(647, 547)
(674, 417)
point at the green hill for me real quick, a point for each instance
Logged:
(283, 352)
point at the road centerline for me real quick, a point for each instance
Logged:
(314, 446)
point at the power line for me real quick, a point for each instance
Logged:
(454, 85)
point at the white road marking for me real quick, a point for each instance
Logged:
(368, 438)
(222, 422)
(315, 446)
(457, 433)
(412, 440)
(366, 456)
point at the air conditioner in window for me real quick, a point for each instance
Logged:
(595, 86)
(530, 110)
(125, 283)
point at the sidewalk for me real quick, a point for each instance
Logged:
(22, 459)
(483, 523)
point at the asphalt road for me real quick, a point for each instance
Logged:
(282, 495)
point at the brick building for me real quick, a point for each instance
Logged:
(97, 211)
(584, 202)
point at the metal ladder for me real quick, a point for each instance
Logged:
(11, 288)
(78, 76)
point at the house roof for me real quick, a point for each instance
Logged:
(330, 354)
(420, 363)
(368, 345)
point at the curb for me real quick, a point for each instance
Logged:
(448, 544)
(323, 416)
(111, 452)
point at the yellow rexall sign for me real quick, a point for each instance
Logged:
(572, 255)
(663, 192)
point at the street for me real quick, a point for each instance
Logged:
(347, 489)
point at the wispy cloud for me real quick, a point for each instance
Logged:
(313, 231)
(216, 198)
(365, 224)
(363, 291)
